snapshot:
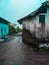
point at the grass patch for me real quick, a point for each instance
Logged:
(43, 49)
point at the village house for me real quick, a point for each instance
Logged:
(36, 25)
(4, 28)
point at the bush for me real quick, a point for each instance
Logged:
(18, 29)
(12, 30)
(43, 49)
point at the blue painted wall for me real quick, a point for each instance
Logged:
(4, 30)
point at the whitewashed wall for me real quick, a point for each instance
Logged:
(34, 25)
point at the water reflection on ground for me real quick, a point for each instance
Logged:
(14, 52)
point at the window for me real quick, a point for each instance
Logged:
(5, 29)
(42, 18)
(1, 31)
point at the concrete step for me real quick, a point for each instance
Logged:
(1, 40)
(6, 36)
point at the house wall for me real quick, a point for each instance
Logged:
(5, 30)
(47, 18)
(34, 26)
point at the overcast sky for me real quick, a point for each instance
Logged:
(12, 10)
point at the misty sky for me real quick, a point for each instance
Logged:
(12, 10)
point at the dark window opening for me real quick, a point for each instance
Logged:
(1, 31)
(41, 18)
(5, 29)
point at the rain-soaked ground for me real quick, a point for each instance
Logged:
(14, 52)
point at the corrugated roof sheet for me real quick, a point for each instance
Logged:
(2, 20)
(41, 9)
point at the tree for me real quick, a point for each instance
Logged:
(12, 29)
(18, 29)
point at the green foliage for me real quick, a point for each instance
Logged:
(12, 29)
(18, 29)
(43, 49)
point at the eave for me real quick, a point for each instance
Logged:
(41, 9)
(2, 20)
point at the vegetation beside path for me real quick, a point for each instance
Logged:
(14, 30)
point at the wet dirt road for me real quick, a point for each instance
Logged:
(14, 52)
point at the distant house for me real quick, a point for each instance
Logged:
(36, 25)
(4, 28)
